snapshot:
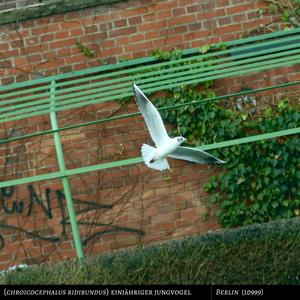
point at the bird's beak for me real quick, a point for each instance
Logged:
(186, 141)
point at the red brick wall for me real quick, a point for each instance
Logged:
(131, 29)
(118, 207)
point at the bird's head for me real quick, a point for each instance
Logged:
(180, 139)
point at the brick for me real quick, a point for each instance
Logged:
(225, 21)
(6, 81)
(61, 35)
(124, 243)
(122, 31)
(184, 196)
(137, 38)
(178, 11)
(63, 43)
(120, 23)
(181, 20)
(228, 28)
(17, 44)
(139, 46)
(194, 8)
(254, 15)
(221, 3)
(47, 37)
(181, 29)
(76, 32)
(164, 14)
(70, 24)
(165, 5)
(212, 14)
(195, 26)
(7, 257)
(49, 28)
(36, 58)
(49, 55)
(135, 20)
(68, 254)
(150, 17)
(3, 46)
(152, 26)
(162, 191)
(239, 18)
(240, 8)
(63, 52)
(167, 217)
(5, 64)
(123, 40)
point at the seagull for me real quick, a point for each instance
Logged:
(156, 157)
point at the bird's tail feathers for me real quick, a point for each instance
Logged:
(148, 153)
(160, 164)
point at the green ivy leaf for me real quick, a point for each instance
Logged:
(285, 203)
(286, 16)
(204, 49)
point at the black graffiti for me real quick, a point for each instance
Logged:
(11, 206)
(17, 206)
(2, 243)
(113, 229)
(30, 233)
(108, 228)
(7, 191)
(34, 198)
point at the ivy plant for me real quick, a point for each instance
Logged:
(288, 9)
(260, 181)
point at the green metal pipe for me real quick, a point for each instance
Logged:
(80, 102)
(219, 62)
(148, 59)
(136, 160)
(175, 106)
(65, 180)
(150, 76)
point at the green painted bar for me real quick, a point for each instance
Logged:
(136, 160)
(151, 59)
(186, 82)
(175, 106)
(290, 39)
(213, 73)
(147, 74)
(65, 180)
(150, 78)
(154, 87)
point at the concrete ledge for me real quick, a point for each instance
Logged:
(48, 8)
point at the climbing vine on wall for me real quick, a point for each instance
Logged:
(260, 181)
(288, 9)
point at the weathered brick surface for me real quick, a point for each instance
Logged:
(119, 207)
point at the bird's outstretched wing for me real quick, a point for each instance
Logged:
(195, 155)
(152, 117)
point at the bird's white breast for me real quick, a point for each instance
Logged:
(167, 148)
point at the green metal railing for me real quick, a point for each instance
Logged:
(65, 179)
(48, 96)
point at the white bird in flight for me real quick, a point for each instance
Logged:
(156, 158)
